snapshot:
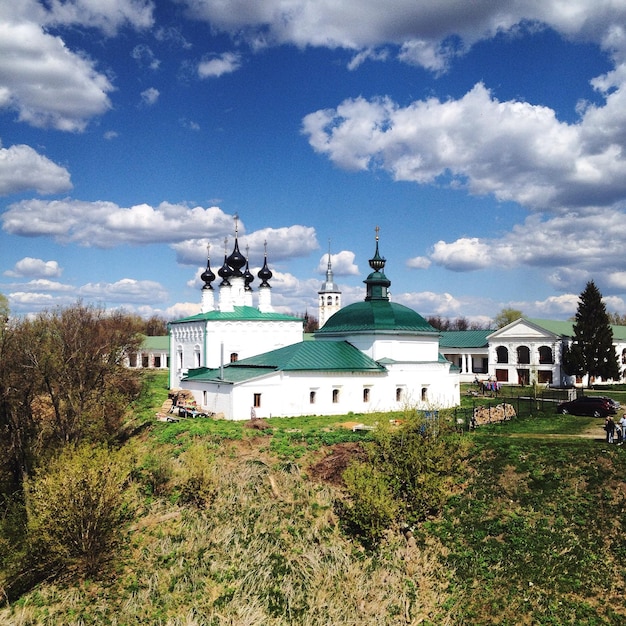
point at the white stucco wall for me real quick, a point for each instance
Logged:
(287, 394)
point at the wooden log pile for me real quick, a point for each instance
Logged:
(493, 414)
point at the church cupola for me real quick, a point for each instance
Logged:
(377, 283)
(236, 260)
(225, 272)
(329, 295)
(248, 277)
(208, 299)
(207, 276)
(265, 294)
(264, 273)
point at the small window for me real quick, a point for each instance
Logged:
(234, 357)
(424, 394)
(312, 397)
(335, 396)
(399, 394)
(132, 360)
(157, 361)
(145, 360)
(502, 376)
(366, 394)
(180, 359)
(257, 400)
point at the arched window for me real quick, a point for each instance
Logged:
(196, 356)
(424, 394)
(502, 354)
(523, 355)
(335, 396)
(234, 357)
(330, 300)
(312, 397)
(398, 394)
(545, 355)
(366, 394)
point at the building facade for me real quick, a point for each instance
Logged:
(229, 326)
(374, 355)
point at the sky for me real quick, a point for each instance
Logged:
(486, 140)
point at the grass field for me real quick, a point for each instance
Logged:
(235, 526)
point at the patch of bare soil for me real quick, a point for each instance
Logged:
(335, 461)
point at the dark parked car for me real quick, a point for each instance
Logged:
(596, 406)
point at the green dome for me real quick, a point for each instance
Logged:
(376, 315)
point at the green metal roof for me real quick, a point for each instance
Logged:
(320, 356)
(239, 313)
(464, 338)
(160, 342)
(558, 327)
(376, 316)
(566, 328)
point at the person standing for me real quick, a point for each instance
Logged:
(609, 426)
(622, 424)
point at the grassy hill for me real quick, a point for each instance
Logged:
(240, 526)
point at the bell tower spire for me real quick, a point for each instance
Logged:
(329, 301)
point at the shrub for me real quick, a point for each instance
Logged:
(76, 508)
(372, 507)
(197, 483)
(405, 479)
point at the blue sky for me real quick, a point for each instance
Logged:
(486, 140)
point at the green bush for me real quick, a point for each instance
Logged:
(196, 476)
(406, 477)
(76, 509)
(372, 507)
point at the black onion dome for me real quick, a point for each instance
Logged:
(265, 274)
(248, 277)
(225, 273)
(236, 261)
(207, 276)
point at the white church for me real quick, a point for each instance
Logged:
(239, 360)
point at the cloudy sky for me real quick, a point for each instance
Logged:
(487, 140)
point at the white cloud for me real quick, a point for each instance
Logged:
(41, 294)
(107, 15)
(125, 290)
(111, 134)
(282, 243)
(45, 82)
(429, 31)
(35, 267)
(105, 225)
(419, 263)
(512, 150)
(215, 67)
(369, 54)
(145, 57)
(150, 96)
(342, 264)
(22, 169)
(431, 303)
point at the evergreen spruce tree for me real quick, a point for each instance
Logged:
(592, 352)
